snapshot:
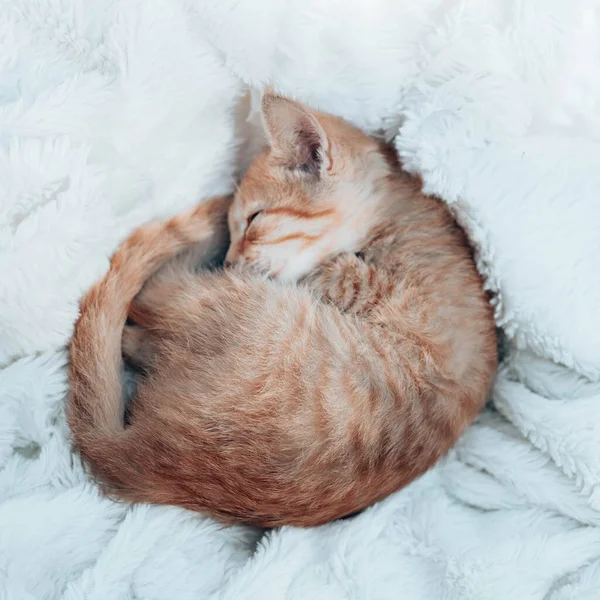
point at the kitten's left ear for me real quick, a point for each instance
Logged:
(296, 135)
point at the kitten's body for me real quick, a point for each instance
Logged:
(275, 404)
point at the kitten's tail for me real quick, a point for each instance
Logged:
(95, 409)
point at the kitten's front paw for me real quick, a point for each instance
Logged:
(340, 280)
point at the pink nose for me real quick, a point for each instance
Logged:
(233, 256)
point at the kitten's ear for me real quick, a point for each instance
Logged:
(295, 135)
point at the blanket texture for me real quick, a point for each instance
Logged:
(114, 112)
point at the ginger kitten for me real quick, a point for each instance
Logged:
(344, 352)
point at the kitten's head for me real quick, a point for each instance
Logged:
(311, 195)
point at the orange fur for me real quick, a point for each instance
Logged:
(273, 403)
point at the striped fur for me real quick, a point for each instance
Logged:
(269, 402)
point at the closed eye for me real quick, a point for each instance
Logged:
(252, 217)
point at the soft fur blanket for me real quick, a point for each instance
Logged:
(113, 112)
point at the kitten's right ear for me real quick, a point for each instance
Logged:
(295, 135)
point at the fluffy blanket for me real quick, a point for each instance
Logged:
(113, 112)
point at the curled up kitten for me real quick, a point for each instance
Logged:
(343, 351)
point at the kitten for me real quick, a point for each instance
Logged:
(272, 403)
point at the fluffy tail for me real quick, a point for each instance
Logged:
(95, 410)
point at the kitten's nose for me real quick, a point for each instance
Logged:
(228, 262)
(231, 256)
(232, 260)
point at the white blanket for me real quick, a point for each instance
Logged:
(116, 111)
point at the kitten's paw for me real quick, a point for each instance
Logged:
(340, 281)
